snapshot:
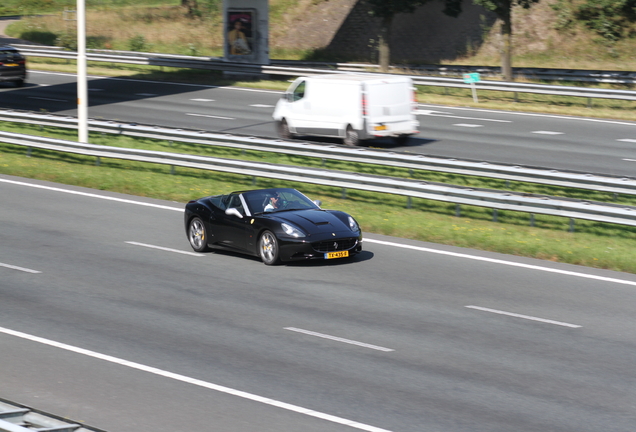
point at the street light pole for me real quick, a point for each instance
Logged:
(82, 88)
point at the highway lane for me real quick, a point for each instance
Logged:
(408, 336)
(581, 144)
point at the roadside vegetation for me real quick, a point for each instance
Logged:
(194, 28)
(548, 35)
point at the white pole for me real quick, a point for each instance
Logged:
(474, 88)
(82, 90)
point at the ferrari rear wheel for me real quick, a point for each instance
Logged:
(268, 248)
(197, 235)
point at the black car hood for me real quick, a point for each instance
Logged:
(313, 221)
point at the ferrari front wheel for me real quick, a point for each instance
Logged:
(197, 235)
(268, 248)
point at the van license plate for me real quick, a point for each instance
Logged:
(380, 127)
(342, 254)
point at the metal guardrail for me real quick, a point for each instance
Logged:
(494, 199)
(212, 63)
(18, 418)
(548, 74)
(553, 177)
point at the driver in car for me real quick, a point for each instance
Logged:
(273, 203)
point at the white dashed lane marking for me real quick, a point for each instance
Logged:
(547, 133)
(22, 269)
(527, 317)
(210, 116)
(165, 249)
(338, 339)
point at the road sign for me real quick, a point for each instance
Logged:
(470, 78)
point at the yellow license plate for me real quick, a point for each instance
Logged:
(381, 127)
(11, 64)
(343, 254)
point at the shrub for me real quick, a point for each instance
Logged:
(137, 43)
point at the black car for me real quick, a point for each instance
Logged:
(277, 224)
(12, 65)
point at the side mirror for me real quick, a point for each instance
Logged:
(289, 97)
(233, 212)
(318, 202)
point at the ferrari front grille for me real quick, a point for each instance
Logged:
(335, 245)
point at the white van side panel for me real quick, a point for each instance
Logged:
(331, 106)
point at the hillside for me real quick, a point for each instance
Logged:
(343, 30)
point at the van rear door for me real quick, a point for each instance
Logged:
(390, 109)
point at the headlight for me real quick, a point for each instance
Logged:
(353, 225)
(292, 231)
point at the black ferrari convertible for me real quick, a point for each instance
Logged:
(276, 224)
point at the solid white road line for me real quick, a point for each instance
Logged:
(92, 195)
(262, 106)
(22, 269)
(194, 381)
(339, 339)
(524, 316)
(503, 262)
(518, 113)
(165, 249)
(202, 100)
(367, 240)
(448, 115)
(627, 140)
(468, 125)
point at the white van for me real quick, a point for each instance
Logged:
(353, 107)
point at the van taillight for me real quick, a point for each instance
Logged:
(414, 100)
(364, 105)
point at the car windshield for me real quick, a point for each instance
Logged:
(275, 200)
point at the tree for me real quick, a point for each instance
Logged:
(386, 11)
(611, 19)
(192, 6)
(503, 10)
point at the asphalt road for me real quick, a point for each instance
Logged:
(106, 317)
(566, 143)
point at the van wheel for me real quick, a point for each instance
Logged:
(283, 130)
(351, 137)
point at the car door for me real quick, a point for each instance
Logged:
(231, 229)
(298, 107)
